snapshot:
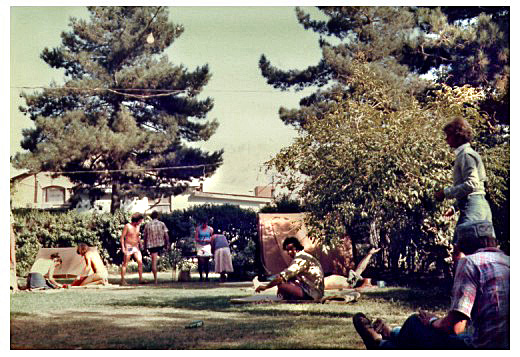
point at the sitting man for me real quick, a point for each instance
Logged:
(94, 271)
(480, 293)
(302, 279)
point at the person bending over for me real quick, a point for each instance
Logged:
(36, 278)
(303, 279)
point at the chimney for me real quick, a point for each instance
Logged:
(264, 191)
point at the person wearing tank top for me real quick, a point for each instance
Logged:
(203, 234)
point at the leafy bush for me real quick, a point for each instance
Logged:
(37, 228)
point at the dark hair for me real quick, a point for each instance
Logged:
(154, 215)
(460, 129)
(56, 256)
(294, 241)
(136, 217)
(81, 245)
(472, 236)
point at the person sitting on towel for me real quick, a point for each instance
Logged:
(303, 279)
(36, 278)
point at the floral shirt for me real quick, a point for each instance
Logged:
(481, 292)
(307, 270)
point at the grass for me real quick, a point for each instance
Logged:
(154, 317)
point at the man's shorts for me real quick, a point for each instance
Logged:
(132, 250)
(155, 249)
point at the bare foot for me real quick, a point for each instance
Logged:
(123, 282)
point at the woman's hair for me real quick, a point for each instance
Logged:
(294, 241)
(459, 128)
(56, 256)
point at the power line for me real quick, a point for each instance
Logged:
(162, 92)
(134, 170)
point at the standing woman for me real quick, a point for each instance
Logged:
(36, 278)
(203, 234)
(222, 255)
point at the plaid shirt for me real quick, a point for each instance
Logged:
(154, 234)
(308, 272)
(481, 292)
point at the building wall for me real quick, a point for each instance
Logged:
(40, 191)
(43, 191)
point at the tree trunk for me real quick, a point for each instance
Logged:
(115, 202)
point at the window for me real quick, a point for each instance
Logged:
(54, 194)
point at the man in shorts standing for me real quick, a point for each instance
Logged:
(155, 240)
(130, 242)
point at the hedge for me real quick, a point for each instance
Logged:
(37, 228)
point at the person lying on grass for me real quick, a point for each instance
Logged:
(36, 278)
(94, 271)
(480, 295)
(303, 279)
(354, 278)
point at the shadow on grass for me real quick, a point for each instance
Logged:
(434, 298)
(97, 330)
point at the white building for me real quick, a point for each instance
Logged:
(41, 190)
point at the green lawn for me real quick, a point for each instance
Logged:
(153, 317)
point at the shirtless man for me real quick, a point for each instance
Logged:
(94, 271)
(130, 242)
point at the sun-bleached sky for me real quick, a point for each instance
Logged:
(230, 39)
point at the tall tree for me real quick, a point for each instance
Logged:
(126, 115)
(462, 45)
(370, 151)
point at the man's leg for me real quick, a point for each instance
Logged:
(200, 264)
(415, 335)
(139, 258)
(92, 279)
(154, 267)
(123, 269)
(291, 291)
(364, 262)
(206, 268)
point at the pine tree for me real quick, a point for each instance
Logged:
(465, 46)
(370, 150)
(125, 115)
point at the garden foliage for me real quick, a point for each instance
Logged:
(37, 228)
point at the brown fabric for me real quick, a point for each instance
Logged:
(275, 227)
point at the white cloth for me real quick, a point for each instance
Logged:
(223, 261)
(203, 250)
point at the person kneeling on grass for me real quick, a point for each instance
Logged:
(303, 279)
(94, 271)
(36, 278)
(480, 294)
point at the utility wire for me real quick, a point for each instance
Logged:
(133, 170)
(161, 91)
